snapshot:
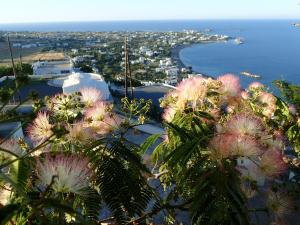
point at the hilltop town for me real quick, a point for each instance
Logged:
(63, 62)
(153, 55)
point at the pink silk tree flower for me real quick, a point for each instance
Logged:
(230, 85)
(245, 95)
(168, 114)
(279, 204)
(272, 163)
(245, 124)
(107, 125)
(293, 109)
(67, 174)
(97, 112)
(191, 91)
(90, 96)
(103, 121)
(40, 129)
(256, 86)
(80, 133)
(269, 102)
(220, 146)
(243, 146)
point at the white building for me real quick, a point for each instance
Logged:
(52, 68)
(74, 51)
(165, 62)
(173, 71)
(158, 70)
(172, 80)
(82, 58)
(76, 81)
(168, 62)
(29, 46)
(185, 70)
(161, 63)
(143, 50)
(149, 53)
(142, 60)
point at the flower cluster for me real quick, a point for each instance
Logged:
(265, 102)
(101, 118)
(71, 122)
(169, 114)
(191, 91)
(205, 94)
(65, 173)
(256, 86)
(244, 136)
(81, 116)
(196, 93)
(279, 204)
(65, 106)
(231, 87)
(246, 127)
(79, 133)
(90, 96)
(268, 102)
(245, 124)
(40, 129)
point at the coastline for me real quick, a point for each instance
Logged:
(175, 55)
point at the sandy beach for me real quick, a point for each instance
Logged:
(175, 54)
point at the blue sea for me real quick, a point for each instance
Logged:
(271, 48)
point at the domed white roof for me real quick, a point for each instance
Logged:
(76, 81)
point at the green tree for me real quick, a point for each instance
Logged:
(21, 69)
(86, 68)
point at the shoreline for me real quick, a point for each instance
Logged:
(175, 56)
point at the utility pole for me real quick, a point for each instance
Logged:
(13, 66)
(11, 56)
(129, 73)
(21, 59)
(127, 70)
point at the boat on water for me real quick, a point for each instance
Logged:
(248, 74)
(239, 41)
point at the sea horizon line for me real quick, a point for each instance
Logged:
(150, 20)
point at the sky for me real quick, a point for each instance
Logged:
(22, 11)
